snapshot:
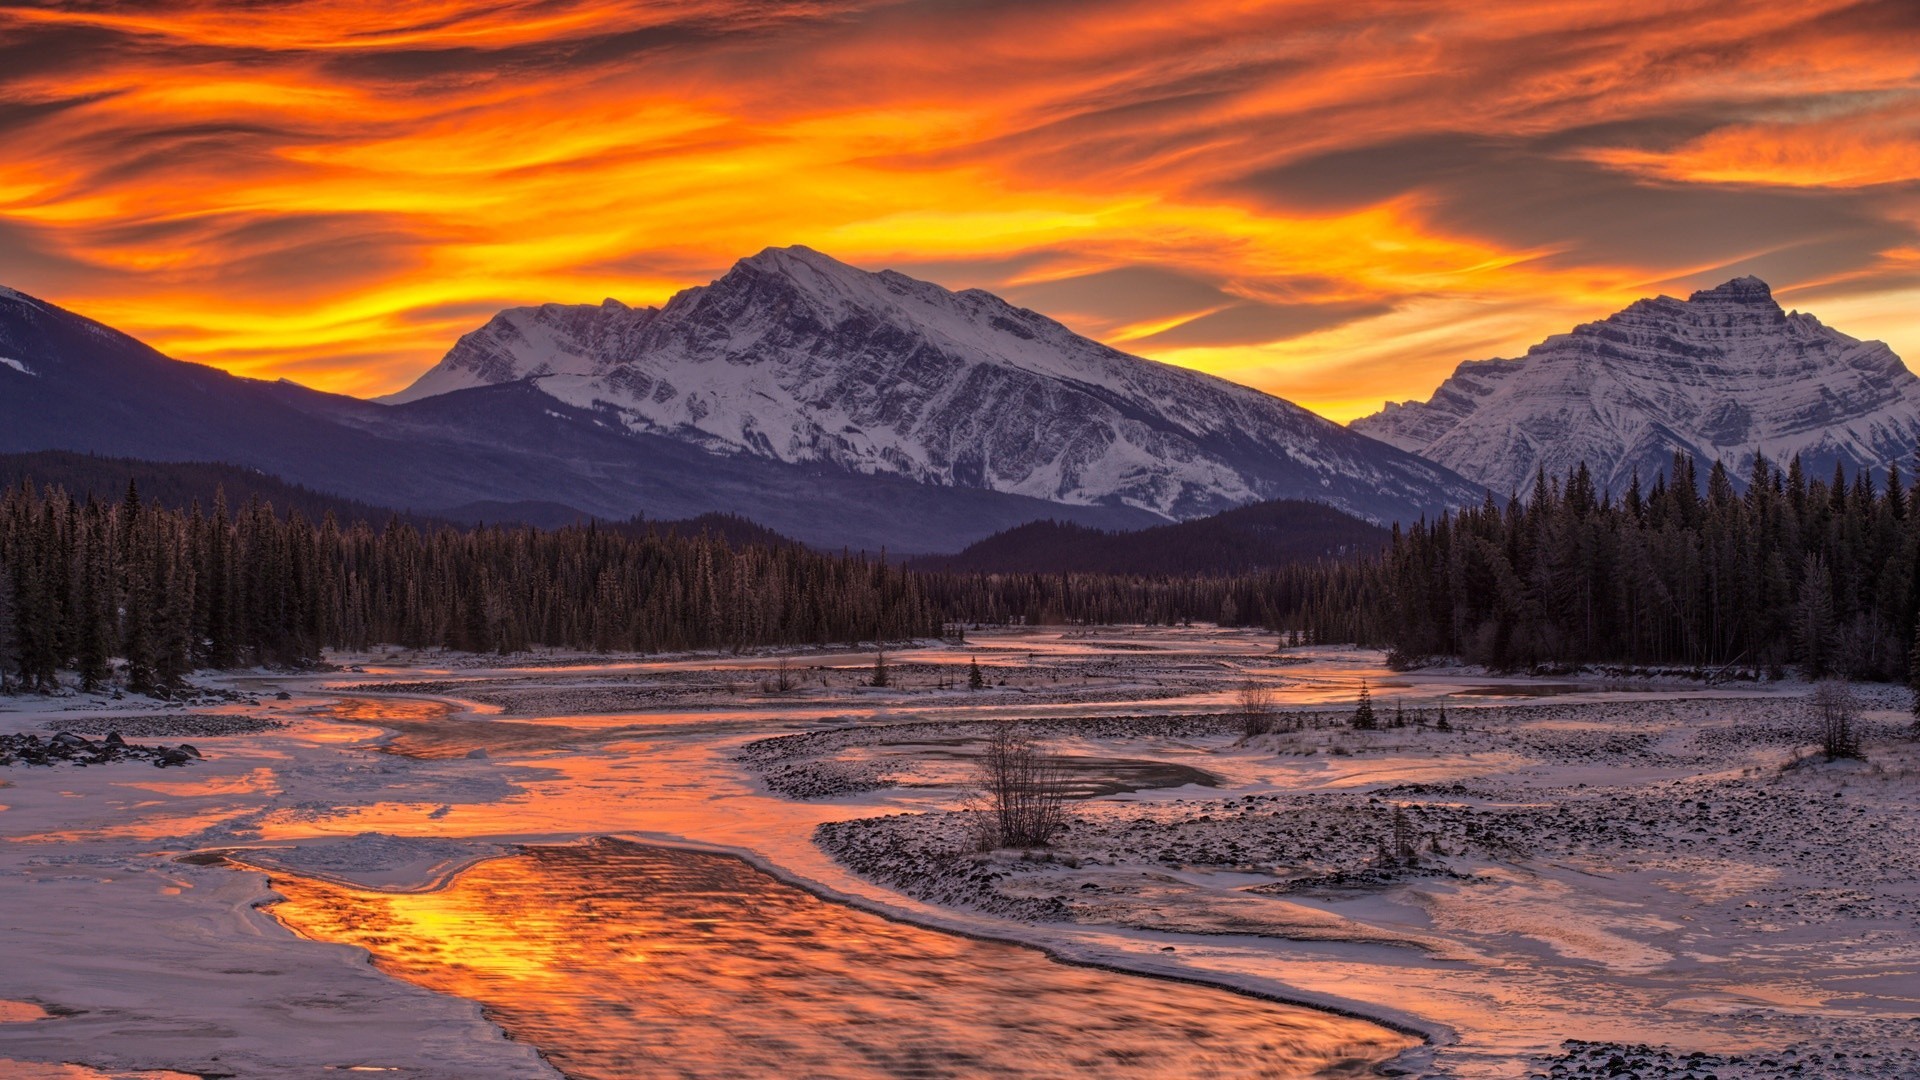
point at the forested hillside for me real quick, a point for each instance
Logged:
(143, 594)
(1792, 571)
(170, 590)
(1822, 576)
(180, 483)
(1239, 541)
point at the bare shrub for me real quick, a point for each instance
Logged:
(1865, 647)
(1023, 789)
(1835, 712)
(782, 679)
(1256, 708)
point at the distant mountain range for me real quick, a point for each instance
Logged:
(183, 483)
(836, 406)
(180, 484)
(1721, 375)
(1243, 540)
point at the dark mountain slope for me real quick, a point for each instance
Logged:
(1250, 538)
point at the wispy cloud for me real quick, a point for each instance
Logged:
(1335, 201)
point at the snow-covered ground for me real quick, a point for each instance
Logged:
(1634, 868)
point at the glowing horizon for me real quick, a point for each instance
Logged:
(1336, 203)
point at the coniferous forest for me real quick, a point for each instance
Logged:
(1793, 571)
(146, 594)
(1785, 571)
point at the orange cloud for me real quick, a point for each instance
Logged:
(1881, 146)
(1334, 201)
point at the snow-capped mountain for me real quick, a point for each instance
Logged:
(796, 357)
(1721, 375)
(492, 453)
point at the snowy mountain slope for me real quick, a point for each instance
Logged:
(496, 451)
(796, 357)
(1721, 375)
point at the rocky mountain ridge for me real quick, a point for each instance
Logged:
(796, 357)
(1722, 375)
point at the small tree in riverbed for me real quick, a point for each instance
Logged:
(1256, 708)
(975, 680)
(1023, 789)
(1363, 718)
(1405, 841)
(880, 675)
(1834, 711)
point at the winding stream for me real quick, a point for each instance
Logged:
(622, 960)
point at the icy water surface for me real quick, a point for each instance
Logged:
(621, 960)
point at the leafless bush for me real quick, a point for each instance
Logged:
(1023, 790)
(1256, 708)
(1835, 711)
(782, 679)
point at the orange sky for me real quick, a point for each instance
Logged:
(1333, 201)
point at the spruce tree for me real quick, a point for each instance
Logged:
(976, 681)
(1363, 718)
(1913, 674)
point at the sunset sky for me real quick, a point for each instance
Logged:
(1335, 202)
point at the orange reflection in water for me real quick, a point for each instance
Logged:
(623, 960)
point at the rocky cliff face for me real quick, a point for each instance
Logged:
(799, 358)
(1721, 375)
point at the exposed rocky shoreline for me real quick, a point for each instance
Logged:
(66, 748)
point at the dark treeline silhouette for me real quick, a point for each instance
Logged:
(171, 590)
(135, 592)
(1791, 571)
(179, 483)
(1245, 540)
(1331, 600)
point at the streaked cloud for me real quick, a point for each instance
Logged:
(1334, 201)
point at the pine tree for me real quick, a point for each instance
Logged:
(976, 681)
(1813, 617)
(881, 676)
(1363, 718)
(1913, 674)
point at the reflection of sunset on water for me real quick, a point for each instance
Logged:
(620, 960)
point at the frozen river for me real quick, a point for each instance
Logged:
(621, 960)
(567, 863)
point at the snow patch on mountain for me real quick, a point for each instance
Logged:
(1721, 375)
(19, 366)
(795, 356)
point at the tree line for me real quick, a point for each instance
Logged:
(1791, 571)
(1821, 575)
(165, 591)
(133, 592)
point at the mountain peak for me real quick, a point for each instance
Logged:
(796, 356)
(1720, 377)
(1741, 290)
(785, 260)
